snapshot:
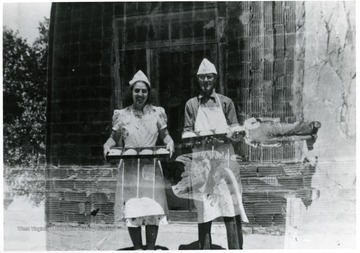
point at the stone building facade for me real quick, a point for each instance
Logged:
(95, 48)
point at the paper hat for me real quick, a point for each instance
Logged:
(206, 67)
(139, 76)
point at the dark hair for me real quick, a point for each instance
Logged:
(128, 99)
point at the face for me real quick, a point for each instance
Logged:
(207, 83)
(140, 94)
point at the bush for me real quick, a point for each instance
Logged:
(24, 98)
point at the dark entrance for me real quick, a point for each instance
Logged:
(175, 69)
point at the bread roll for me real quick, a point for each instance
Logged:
(162, 151)
(146, 152)
(130, 152)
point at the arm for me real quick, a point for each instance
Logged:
(231, 119)
(111, 142)
(168, 141)
(189, 118)
(231, 114)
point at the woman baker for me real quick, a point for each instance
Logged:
(139, 200)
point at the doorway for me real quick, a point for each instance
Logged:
(174, 71)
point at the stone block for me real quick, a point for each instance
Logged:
(269, 42)
(244, 56)
(107, 185)
(278, 197)
(88, 185)
(244, 43)
(290, 40)
(269, 208)
(278, 13)
(52, 205)
(78, 173)
(307, 181)
(268, 14)
(109, 219)
(98, 197)
(64, 184)
(279, 67)
(54, 196)
(69, 217)
(268, 70)
(290, 23)
(256, 10)
(270, 171)
(75, 196)
(258, 184)
(279, 219)
(266, 152)
(291, 182)
(249, 209)
(255, 59)
(111, 197)
(105, 208)
(53, 173)
(54, 216)
(289, 66)
(245, 71)
(98, 219)
(254, 197)
(82, 218)
(264, 220)
(100, 173)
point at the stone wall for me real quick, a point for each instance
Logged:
(329, 96)
(80, 78)
(330, 72)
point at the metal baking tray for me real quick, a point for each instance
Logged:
(121, 153)
(200, 137)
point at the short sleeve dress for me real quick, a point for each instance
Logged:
(140, 192)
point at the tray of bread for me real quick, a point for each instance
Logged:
(215, 133)
(140, 152)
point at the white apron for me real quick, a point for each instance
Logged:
(222, 194)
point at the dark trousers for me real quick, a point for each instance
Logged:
(233, 232)
(151, 235)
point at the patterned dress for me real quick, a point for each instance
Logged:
(140, 192)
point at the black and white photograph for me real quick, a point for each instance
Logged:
(179, 125)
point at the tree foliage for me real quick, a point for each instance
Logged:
(24, 97)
